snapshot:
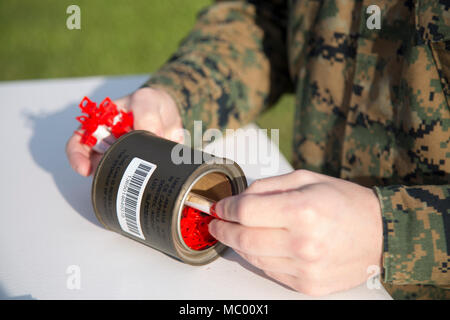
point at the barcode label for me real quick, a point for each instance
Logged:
(130, 193)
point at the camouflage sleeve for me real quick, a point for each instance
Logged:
(231, 66)
(416, 227)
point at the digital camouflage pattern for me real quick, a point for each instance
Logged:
(372, 106)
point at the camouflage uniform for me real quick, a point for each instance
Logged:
(372, 106)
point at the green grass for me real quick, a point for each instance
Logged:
(116, 37)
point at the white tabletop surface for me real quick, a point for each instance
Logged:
(47, 223)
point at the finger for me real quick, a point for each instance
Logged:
(284, 182)
(259, 210)
(256, 241)
(78, 155)
(272, 264)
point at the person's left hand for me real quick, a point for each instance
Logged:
(311, 232)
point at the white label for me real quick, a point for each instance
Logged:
(130, 193)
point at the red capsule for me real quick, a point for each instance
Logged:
(194, 229)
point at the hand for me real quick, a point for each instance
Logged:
(153, 110)
(311, 232)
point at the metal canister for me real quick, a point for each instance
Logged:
(139, 191)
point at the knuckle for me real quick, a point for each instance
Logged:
(307, 250)
(312, 253)
(255, 186)
(308, 216)
(305, 218)
(305, 177)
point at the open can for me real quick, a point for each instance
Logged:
(139, 191)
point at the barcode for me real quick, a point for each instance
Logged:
(132, 196)
(130, 193)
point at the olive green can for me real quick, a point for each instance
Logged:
(139, 191)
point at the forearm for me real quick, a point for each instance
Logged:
(231, 66)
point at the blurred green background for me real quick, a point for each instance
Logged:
(116, 38)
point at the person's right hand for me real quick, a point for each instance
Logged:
(153, 110)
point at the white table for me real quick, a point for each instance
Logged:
(47, 223)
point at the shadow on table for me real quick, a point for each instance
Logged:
(51, 132)
(231, 255)
(5, 296)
